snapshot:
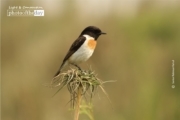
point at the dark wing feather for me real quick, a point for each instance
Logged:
(74, 47)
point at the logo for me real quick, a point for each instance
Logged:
(19, 11)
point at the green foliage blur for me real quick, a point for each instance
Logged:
(140, 51)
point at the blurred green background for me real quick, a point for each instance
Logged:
(143, 37)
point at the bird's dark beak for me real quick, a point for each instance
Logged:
(103, 33)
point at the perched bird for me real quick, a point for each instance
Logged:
(82, 48)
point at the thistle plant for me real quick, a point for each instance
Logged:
(79, 84)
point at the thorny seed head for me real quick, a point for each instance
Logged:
(75, 79)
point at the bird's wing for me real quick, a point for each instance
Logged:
(74, 47)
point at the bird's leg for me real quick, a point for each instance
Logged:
(77, 67)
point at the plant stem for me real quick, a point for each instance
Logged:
(78, 103)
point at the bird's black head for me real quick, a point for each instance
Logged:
(92, 31)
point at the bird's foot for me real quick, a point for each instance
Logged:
(77, 67)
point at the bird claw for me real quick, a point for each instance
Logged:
(77, 67)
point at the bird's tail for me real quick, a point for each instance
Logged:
(59, 71)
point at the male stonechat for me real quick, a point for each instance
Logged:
(82, 48)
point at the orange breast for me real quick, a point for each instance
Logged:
(92, 44)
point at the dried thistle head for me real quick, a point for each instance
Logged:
(75, 80)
